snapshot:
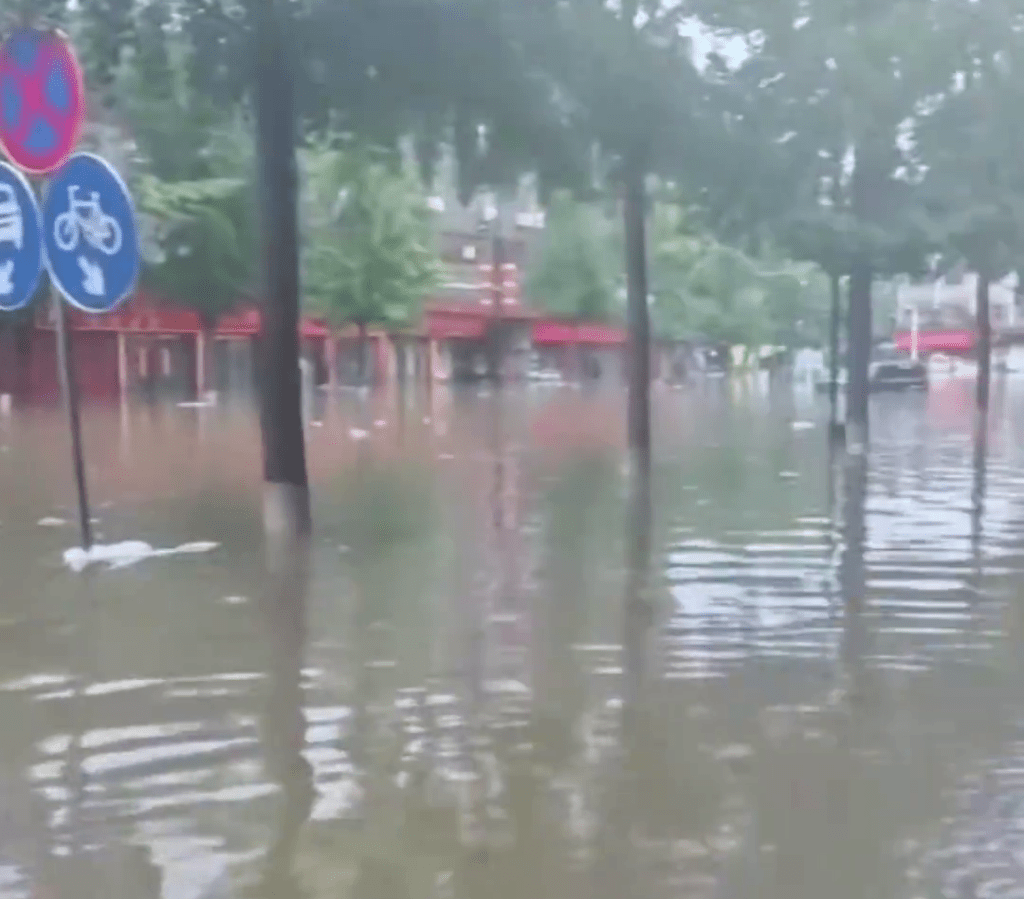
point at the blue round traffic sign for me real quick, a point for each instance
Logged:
(21, 240)
(92, 244)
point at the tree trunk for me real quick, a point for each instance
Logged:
(833, 345)
(362, 375)
(496, 341)
(398, 345)
(331, 359)
(23, 344)
(639, 340)
(204, 357)
(286, 488)
(984, 341)
(868, 186)
(858, 354)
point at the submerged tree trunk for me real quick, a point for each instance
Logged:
(833, 345)
(639, 341)
(496, 333)
(869, 183)
(204, 356)
(400, 347)
(858, 354)
(984, 341)
(286, 490)
(362, 373)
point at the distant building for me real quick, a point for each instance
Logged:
(950, 303)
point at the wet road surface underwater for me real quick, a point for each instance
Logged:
(455, 692)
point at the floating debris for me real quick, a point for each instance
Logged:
(127, 553)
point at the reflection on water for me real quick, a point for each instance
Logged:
(514, 663)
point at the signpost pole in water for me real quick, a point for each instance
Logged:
(42, 104)
(92, 253)
(87, 222)
(69, 387)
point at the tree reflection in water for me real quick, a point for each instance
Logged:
(283, 723)
(616, 868)
(980, 469)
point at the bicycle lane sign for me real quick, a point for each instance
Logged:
(92, 245)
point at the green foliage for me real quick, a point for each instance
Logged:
(369, 257)
(206, 245)
(698, 286)
(703, 288)
(973, 188)
(834, 137)
(818, 112)
(575, 274)
(106, 28)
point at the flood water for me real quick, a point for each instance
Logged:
(468, 688)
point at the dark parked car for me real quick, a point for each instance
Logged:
(889, 369)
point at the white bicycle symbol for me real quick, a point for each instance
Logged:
(86, 219)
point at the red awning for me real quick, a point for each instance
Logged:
(949, 341)
(558, 331)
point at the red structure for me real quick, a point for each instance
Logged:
(951, 342)
(150, 338)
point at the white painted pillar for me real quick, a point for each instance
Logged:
(331, 360)
(200, 365)
(122, 364)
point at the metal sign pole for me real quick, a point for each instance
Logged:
(69, 391)
(69, 387)
(85, 233)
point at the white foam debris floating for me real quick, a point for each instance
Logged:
(128, 553)
(51, 522)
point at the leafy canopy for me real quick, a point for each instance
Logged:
(575, 274)
(369, 257)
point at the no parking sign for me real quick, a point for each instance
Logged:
(42, 100)
(87, 236)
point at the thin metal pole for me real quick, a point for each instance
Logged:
(69, 387)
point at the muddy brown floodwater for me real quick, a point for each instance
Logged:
(447, 695)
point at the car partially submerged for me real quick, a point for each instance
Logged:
(889, 369)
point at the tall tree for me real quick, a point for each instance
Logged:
(629, 86)
(286, 497)
(970, 145)
(826, 92)
(370, 260)
(574, 274)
